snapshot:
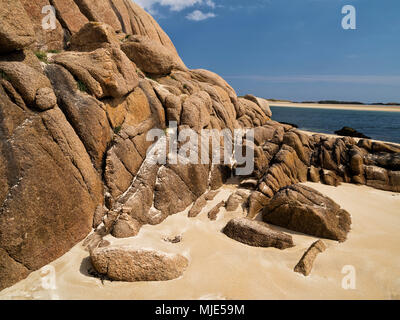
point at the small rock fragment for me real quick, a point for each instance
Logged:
(306, 262)
(212, 215)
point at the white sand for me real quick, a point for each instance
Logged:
(335, 106)
(221, 268)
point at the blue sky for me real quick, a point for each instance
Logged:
(290, 49)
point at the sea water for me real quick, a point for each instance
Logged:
(379, 125)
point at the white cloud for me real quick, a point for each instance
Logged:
(198, 15)
(210, 3)
(174, 5)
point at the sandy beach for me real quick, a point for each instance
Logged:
(221, 268)
(335, 106)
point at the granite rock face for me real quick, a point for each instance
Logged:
(103, 72)
(151, 56)
(16, 29)
(74, 147)
(303, 209)
(44, 165)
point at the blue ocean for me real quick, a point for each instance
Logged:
(378, 125)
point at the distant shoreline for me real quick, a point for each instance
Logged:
(384, 108)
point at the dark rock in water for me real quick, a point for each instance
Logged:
(303, 209)
(350, 132)
(257, 234)
(306, 262)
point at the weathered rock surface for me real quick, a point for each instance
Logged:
(257, 234)
(125, 227)
(99, 11)
(151, 56)
(84, 113)
(70, 15)
(94, 35)
(210, 195)
(43, 166)
(256, 202)
(143, 24)
(125, 264)
(171, 194)
(252, 114)
(262, 103)
(236, 199)
(16, 29)
(34, 88)
(104, 72)
(213, 214)
(306, 263)
(197, 207)
(11, 271)
(303, 209)
(73, 134)
(45, 39)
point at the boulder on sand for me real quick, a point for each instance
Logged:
(307, 261)
(257, 234)
(131, 265)
(303, 209)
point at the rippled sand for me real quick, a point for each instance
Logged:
(221, 268)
